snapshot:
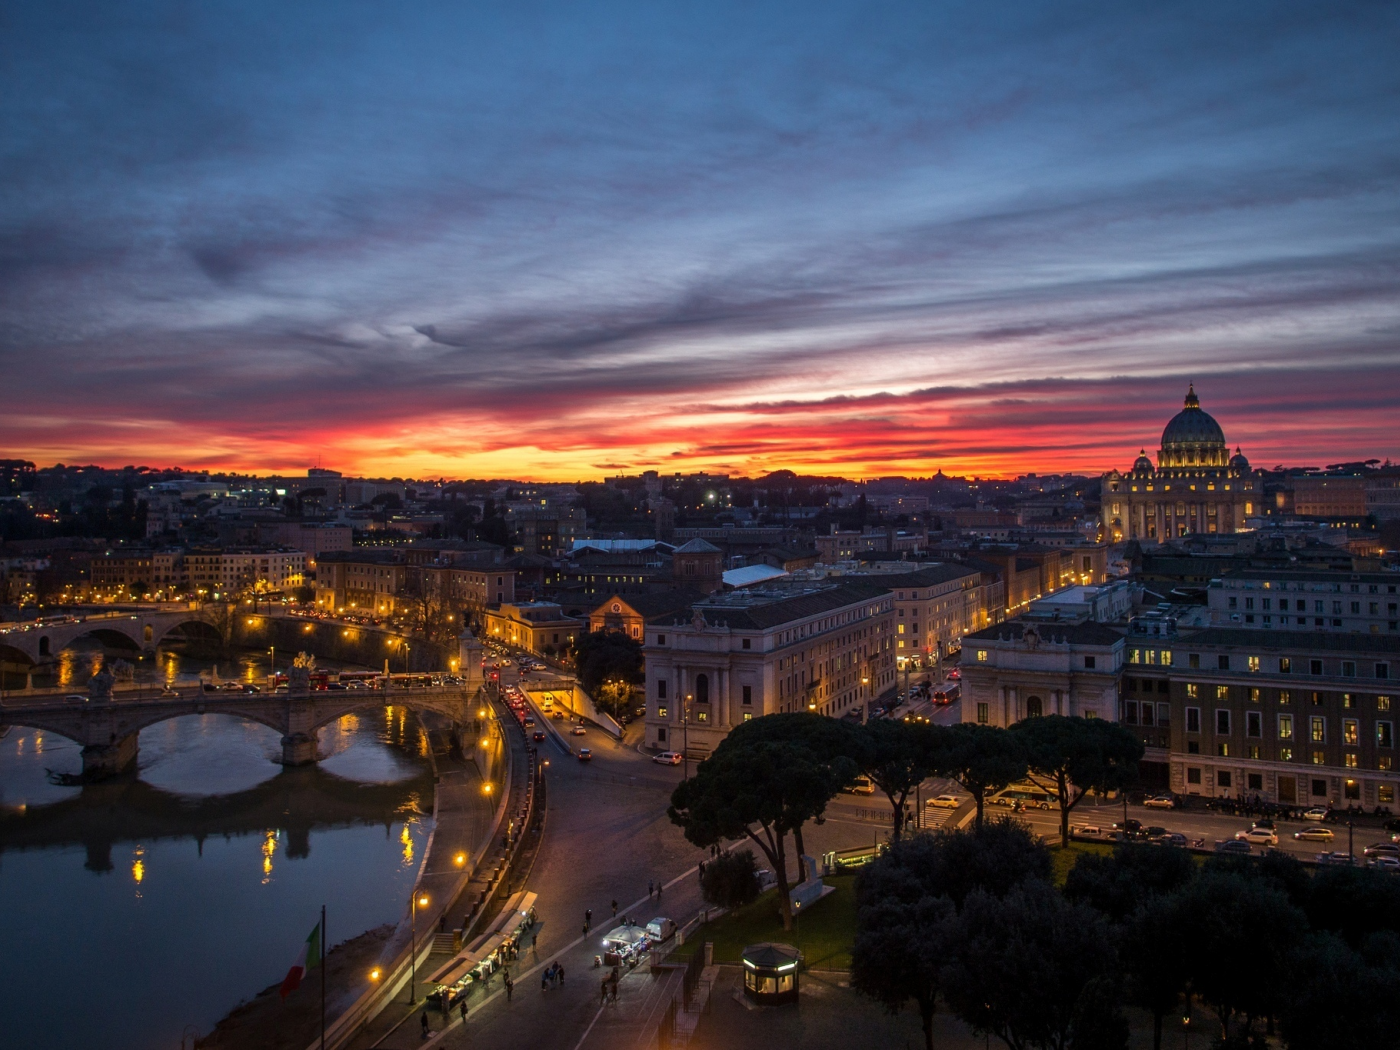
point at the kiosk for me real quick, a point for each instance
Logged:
(770, 973)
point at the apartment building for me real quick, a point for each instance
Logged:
(1283, 599)
(540, 627)
(828, 649)
(363, 580)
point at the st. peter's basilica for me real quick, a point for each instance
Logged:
(1196, 487)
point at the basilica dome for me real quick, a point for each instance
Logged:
(1193, 438)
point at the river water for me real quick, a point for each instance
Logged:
(143, 909)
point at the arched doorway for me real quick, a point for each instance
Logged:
(1034, 707)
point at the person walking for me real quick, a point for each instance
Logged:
(463, 1005)
(559, 969)
(614, 909)
(651, 888)
(426, 1030)
(658, 893)
(510, 987)
(604, 993)
(544, 981)
(702, 871)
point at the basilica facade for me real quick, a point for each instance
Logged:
(1196, 486)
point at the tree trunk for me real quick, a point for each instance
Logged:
(977, 798)
(926, 1011)
(802, 873)
(1156, 1030)
(773, 850)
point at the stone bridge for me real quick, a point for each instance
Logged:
(108, 729)
(143, 630)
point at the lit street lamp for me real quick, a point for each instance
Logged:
(418, 900)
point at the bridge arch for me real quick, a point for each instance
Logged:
(189, 629)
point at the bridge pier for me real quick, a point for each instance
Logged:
(299, 749)
(107, 760)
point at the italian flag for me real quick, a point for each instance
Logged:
(309, 956)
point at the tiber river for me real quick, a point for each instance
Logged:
(143, 909)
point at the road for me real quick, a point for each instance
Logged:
(606, 836)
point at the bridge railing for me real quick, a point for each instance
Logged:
(145, 692)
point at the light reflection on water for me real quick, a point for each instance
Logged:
(181, 923)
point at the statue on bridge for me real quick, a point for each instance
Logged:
(100, 685)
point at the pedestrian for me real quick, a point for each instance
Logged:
(658, 893)
(588, 917)
(702, 870)
(651, 888)
(426, 1029)
(604, 993)
(614, 909)
(559, 968)
(442, 922)
(463, 1005)
(614, 988)
(510, 987)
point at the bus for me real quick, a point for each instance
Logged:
(1031, 796)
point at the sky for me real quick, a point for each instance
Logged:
(559, 241)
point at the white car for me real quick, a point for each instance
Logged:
(1258, 837)
(578, 731)
(1160, 802)
(668, 758)
(944, 802)
(1315, 814)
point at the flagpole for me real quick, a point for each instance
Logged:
(323, 977)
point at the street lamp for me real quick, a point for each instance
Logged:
(273, 662)
(685, 737)
(418, 900)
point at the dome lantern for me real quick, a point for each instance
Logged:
(1193, 438)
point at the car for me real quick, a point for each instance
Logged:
(1263, 822)
(1160, 802)
(668, 758)
(578, 731)
(529, 721)
(1088, 831)
(1153, 831)
(75, 698)
(585, 754)
(1169, 838)
(954, 674)
(539, 736)
(1238, 846)
(1381, 849)
(337, 685)
(1258, 837)
(1314, 833)
(944, 802)
(557, 715)
(1315, 815)
(1335, 859)
(1384, 863)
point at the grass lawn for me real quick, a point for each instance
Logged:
(1062, 858)
(824, 935)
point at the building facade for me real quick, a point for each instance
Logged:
(1292, 600)
(539, 627)
(1023, 669)
(751, 653)
(1196, 486)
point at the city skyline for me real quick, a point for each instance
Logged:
(562, 244)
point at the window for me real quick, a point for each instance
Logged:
(1285, 754)
(1223, 750)
(1348, 668)
(982, 714)
(1223, 779)
(1254, 695)
(981, 656)
(1285, 697)
(1034, 707)
(1255, 780)
(1192, 690)
(1285, 727)
(1193, 719)
(1319, 758)
(1166, 657)
(1222, 722)
(1285, 665)
(1089, 663)
(1253, 662)
(1317, 729)
(1384, 737)
(1193, 747)
(748, 715)
(1315, 666)
(1319, 788)
(748, 694)
(661, 712)
(702, 689)
(747, 643)
(1193, 776)
(1253, 724)
(1382, 670)
(1349, 732)
(1223, 661)
(661, 689)
(1382, 703)
(1130, 712)
(1193, 660)
(1348, 700)
(660, 639)
(1222, 692)
(1164, 714)
(1350, 759)
(702, 716)
(1385, 793)
(660, 734)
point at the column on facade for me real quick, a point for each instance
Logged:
(722, 684)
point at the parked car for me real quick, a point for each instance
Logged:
(668, 758)
(1088, 831)
(1384, 863)
(1258, 837)
(944, 802)
(1381, 849)
(1316, 814)
(1335, 859)
(1314, 833)
(585, 754)
(1233, 846)
(1169, 838)
(1160, 802)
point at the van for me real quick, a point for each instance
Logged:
(860, 786)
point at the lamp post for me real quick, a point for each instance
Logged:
(414, 903)
(405, 657)
(272, 663)
(685, 737)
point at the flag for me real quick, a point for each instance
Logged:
(309, 956)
